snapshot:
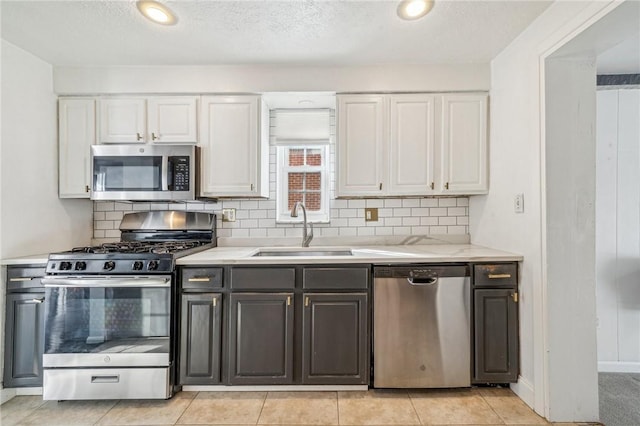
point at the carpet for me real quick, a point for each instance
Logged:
(619, 399)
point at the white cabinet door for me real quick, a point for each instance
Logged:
(463, 144)
(231, 147)
(77, 132)
(172, 119)
(362, 145)
(412, 135)
(123, 120)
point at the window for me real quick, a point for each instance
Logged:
(303, 175)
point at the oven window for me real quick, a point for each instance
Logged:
(107, 320)
(141, 173)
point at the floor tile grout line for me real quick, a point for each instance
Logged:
(107, 412)
(414, 409)
(264, 401)
(186, 408)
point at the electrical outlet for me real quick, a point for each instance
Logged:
(228, 215)
(371, 214)
(518, 203)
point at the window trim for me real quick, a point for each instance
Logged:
(283, 215)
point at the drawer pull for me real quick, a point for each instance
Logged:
(498, 276)
(40, 300)
(22, 279)
(105, 379)
(200, 279)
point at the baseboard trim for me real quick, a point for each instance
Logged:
(268, 388)
(7, 395)
(524, 389)
(619, 367)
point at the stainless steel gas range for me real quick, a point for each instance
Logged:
(109, 309)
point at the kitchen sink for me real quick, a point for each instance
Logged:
(302, 252)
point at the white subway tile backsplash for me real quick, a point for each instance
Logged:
(446, 202)
(257, 217)
(457, 211)
(411, 202)
(429, 202)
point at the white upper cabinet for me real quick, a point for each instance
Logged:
(76, 134)
(411, 145)
(233, 147)
(170, 119)
(463, 144)
(362, 127)
(123, 120)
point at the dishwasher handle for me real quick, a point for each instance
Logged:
(422, 281)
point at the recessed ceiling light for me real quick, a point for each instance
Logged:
(414, 9)
(156, 12)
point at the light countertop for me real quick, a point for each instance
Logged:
(35, 259)
(384, 254)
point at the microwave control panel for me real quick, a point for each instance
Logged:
(180, 181)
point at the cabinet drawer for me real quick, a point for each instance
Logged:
(496, 275)
(201, 278)
(263, 278)
(24, 277)
(335, 278)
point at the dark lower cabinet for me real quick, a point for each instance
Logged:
(335, 345)
(200, 338)
(495, 335)
(261, 338)
(24, 340)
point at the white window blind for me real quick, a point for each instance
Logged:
(301, 127)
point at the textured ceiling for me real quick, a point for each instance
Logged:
(299, 32)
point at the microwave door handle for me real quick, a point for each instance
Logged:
(165, 172)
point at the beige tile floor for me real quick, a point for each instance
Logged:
(477, 406)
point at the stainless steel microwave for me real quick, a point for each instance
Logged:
(143, 172)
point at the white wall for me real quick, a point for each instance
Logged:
(243, 79)
(516, 162)
(618, 230)
(32, 218)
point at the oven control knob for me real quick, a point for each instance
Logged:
(153, 265)
(137, 265)
(65, 266)
(107, 358)
(81, 266)
(109, 265)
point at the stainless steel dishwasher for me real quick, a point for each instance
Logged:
(421, 326)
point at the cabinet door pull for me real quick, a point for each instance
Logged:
(306, 301)
(138, 136)
(446, 185)
(433, 185)
(380, 186)
(251, 187)
(21, 279)
(215, 302)
(86, 188)
(288, 300)
(39, 300)
(154, 137)
(200, 279)
(499, 276)
(514, 296)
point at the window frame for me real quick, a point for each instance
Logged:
(283, 214)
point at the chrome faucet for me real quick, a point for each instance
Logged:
(306, 238)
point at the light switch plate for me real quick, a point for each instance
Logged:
(518, 203)
(371, 214)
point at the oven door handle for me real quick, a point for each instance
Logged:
(107, 282)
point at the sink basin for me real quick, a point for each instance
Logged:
(303, 252)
